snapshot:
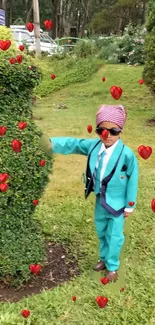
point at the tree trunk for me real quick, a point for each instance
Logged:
(55, 6)
(28, 13)
(66, 19)
(4, 5)
(61, 19)
(85, 16)
(10, 18)
(120, 24)
(143, 12)
(37, 27)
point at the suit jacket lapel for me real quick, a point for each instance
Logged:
(113, 158)
(94, 157)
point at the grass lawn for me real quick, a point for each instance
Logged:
(66, 216)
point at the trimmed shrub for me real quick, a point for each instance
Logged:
(149, 69)
(6, 34)
(84, 48)
(109, 51)
(21, 239)
(68, 71)
(104, 41)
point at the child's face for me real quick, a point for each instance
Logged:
(111, 139)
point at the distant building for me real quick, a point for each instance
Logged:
(2, 17)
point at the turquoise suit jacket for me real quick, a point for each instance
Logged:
(123, 187)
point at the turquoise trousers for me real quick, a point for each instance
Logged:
(110, 233)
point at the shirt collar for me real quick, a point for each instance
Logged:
(107, 150)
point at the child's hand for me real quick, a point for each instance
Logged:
(127, 214)
(46, 145)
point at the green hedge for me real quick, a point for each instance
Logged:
(85, 48)
(149, 69)
(68, 71)
(21, 239)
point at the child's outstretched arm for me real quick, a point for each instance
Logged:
(69, 145)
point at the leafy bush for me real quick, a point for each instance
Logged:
(6, 34)
(68, 71)
(84, 48)
(126, 49)
(132, 45)
(109, 51)
(104, 42)
(149, 69)
(21, 240)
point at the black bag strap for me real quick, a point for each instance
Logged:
(92, 151)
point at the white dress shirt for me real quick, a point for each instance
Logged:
(108, 153)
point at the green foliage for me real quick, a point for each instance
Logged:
(68, 71)
(16, 86)
(115, 16)
(101, 22)
(6, 34)
(132, 46)
(84, 48)
(126, 49)
(109, 52)
(150, 23)
(21, 240)
(149, 69)
(104, 41)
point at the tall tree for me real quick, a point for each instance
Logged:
(115, 17)
(149, 70)
(102, 15)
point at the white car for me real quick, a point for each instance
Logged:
(23, 36)
(47, 44)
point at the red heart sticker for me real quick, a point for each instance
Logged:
(19, 58)
(4, 45)
(74, 298)
(89, 129)
(144, 152)
(42, 162)
(104, 280)
(53, 76)
(25, 313)
(102, 301)
(16, 145)
(122, 289)
(153, 205)
(35, 202)
(4, 187)
(131, 204)
(35, 268)
(30, 27)
(116, 92)
(21, 48)
(104, 134)
(12, 60)
(141, 81)
(3, 177)
(2, 130)
(48, 24)
(22, 125)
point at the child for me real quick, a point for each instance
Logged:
(112, 173)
